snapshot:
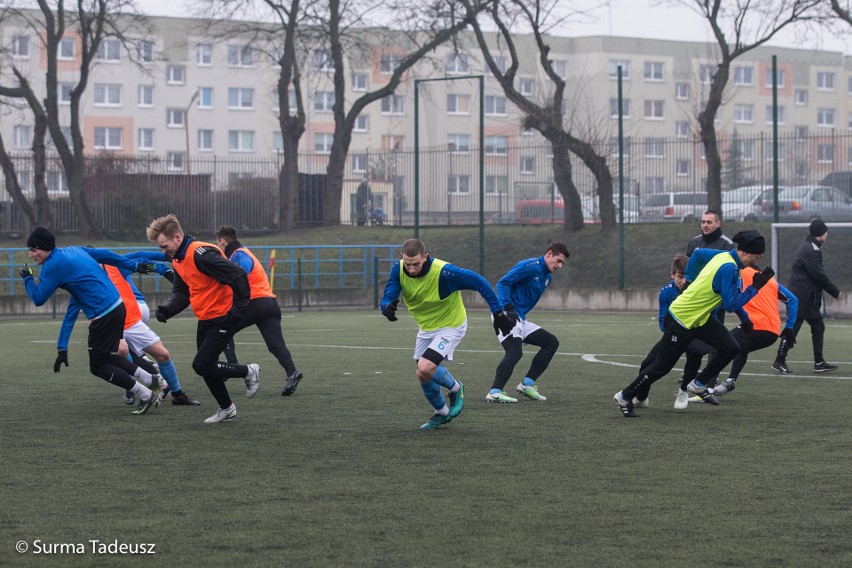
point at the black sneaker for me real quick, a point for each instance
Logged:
(183, 400)
(129, 397)
(823, 367)
(292, 382)
(782, 368)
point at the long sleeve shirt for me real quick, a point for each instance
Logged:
(524, 285)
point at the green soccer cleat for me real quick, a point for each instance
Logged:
(499, 397)
(529, 391)
(456, 401)
(145, 405)
(435, 421)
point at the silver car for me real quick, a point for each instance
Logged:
(746, 203)
(805, 202)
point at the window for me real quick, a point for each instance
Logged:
(457, 63)
(560, 67)
(175, 160)
(743, 113)
(240, 56)
(495, 105)
(107, 95)
(145, 95)
(56, 182)
(205, 98)
(22, 136)
(501, 62)
(706, 73)
(614, 64)
(850, 121)
(322, 143)
(527, 165)
(107, 138)
(682, 168)
(654, 184)
(496, 145)
(495, 185)
(145, 139)
(174, 117)
(362, 123)
(65, 93)
(204, 54)
(389, 63)
(205, 140)
(20, 47)
(654, 110)
(613, 146)
(66, 135)
(681, 129)
(359, 81)
(801, 96)
(277, 142)
(849, 86)
(655, 148)
(322, 60)
(653, 71)
(526, 87)
(625, 108)
(769, 114)
(241, 140)
(743, 76)
(682, 91)
(825, 81)
(175, 75)
(324, 101)
(458, 143)
(359, 163)
(240, 98)
(458, 184)
(825, 153)
(109, 50)
(145, 50)
(800, 132)
(458, 104)
(276, 56)
(393, 104)
(66, 48)
(769, 150)
(717, 118)
(825, 117)
(25, 180)
(779, 76)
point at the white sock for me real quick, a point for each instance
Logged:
(456, 388)
(143, 376)
(143, 392)
(445, 411)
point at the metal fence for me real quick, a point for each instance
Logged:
(125, 193)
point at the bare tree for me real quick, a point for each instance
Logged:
(548, 115)
(842, 13)
(90, 21)
(738, 27)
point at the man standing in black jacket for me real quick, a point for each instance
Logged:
(807, 282)
(711, 236)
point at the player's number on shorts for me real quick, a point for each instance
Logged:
(442, 345)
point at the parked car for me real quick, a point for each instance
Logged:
(631, 208)
(840, 180)
(805, 202)
(544, 212)
(746, 203)
(684, 207)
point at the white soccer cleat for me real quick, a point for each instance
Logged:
(682, 400)
(223, 415)
(252, 380)
(641, 403)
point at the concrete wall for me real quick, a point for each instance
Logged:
(567, 299)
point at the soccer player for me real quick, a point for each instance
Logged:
(76, 270)
(519, 290)
(263, 310)
(689, 318)
(139, 338)
(431, 289)
(219, 293)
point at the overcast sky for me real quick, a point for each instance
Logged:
(630, 18)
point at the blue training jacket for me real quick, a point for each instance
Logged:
(668, 293)
(524, 284)
(77, 270)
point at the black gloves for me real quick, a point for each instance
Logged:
(162, 314)
(788, 336)
(25, 271)
(510, 311)
(61, 357)
(761, 278)
(746, 325)
(390, 310)
(503, 323)
(169, 275)
(145, 268)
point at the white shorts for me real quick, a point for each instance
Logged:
(522, 329)
(139, 337)
(443, 340)
(146, 311)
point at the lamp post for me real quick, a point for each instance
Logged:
(186, 126)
